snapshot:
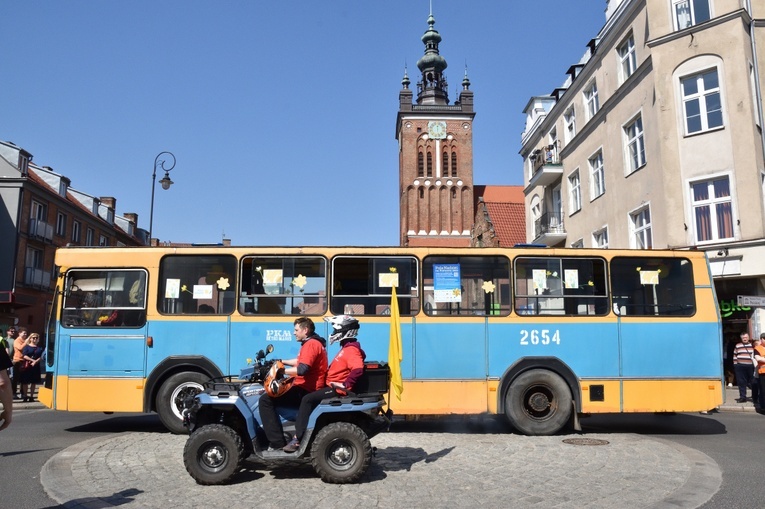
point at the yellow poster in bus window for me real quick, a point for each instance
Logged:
(649, 277)
(388, 280)
(572, 278)
(272, 276)
(172, 288)
(540, 279)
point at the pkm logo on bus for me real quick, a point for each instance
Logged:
(278, 335)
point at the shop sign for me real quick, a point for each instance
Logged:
(754, 301)
(730, 306)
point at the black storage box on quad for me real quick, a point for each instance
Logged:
(376, 379)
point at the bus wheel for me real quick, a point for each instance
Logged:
(169, 402)
(538, 402)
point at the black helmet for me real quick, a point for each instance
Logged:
(343, 327)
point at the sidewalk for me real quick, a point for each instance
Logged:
(730, 404)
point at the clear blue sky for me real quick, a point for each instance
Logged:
(281, 114)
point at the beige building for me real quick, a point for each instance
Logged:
(655, 140)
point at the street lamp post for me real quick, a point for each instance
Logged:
(165, 182)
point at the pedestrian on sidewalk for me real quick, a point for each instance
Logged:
(743, 366)
(22, 340)
(759, 359)
(30, 370)
(9, 339)
(6, 396)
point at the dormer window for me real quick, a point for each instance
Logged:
(23, 164)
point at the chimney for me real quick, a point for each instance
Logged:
(109, 201)
(131, 217)
(227, 242)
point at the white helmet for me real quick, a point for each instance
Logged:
(343, 327)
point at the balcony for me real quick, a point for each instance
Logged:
(36, 277)
(40, 230)
(549, 229)
(546, 166)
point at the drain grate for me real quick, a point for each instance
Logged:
(585, 441)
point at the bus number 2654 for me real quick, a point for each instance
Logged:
(536, 337)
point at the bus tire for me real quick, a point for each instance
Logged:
(538, 402)
(213, 454)
(172, 393)
(341, 453)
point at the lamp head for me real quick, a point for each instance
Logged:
(166, 182)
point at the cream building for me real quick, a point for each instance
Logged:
(655, 140)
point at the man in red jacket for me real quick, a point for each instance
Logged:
(310, 372)
(345, 370)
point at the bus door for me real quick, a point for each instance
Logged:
(102, 340)
(461, 296)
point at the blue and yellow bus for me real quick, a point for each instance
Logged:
(540, 335)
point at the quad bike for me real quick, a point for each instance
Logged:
(225, 427)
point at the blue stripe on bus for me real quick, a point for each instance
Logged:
(445, 351)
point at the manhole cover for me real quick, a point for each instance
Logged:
(585, 441)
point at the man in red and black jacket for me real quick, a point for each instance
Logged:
(310, 372)
(345, 370)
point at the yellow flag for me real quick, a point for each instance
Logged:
(395, 354)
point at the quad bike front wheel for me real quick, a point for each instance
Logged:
(341, 453)
(213, 454)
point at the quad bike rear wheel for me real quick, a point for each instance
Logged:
(341, 453)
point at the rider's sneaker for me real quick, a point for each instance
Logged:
(293, 446)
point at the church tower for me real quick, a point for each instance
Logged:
(435, 141)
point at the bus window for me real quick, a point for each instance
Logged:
(560, 286)
(196, 284)
(107, 298)
(466, 285)
(361, 285)
(653, 286)
(283, 285)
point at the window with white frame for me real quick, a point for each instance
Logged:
(690, 12)
(597, 175)
(89, 237)
(712, 209)
(569, 121)
(640, 224)
(633, 133)
(551, 154)
(579, 244)
(591, 102)
(574, 191)
(600, 238)
(627, 58)
(702, 103)
(38, 211)
(103, 241)
(76, 232)
(60, 224)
